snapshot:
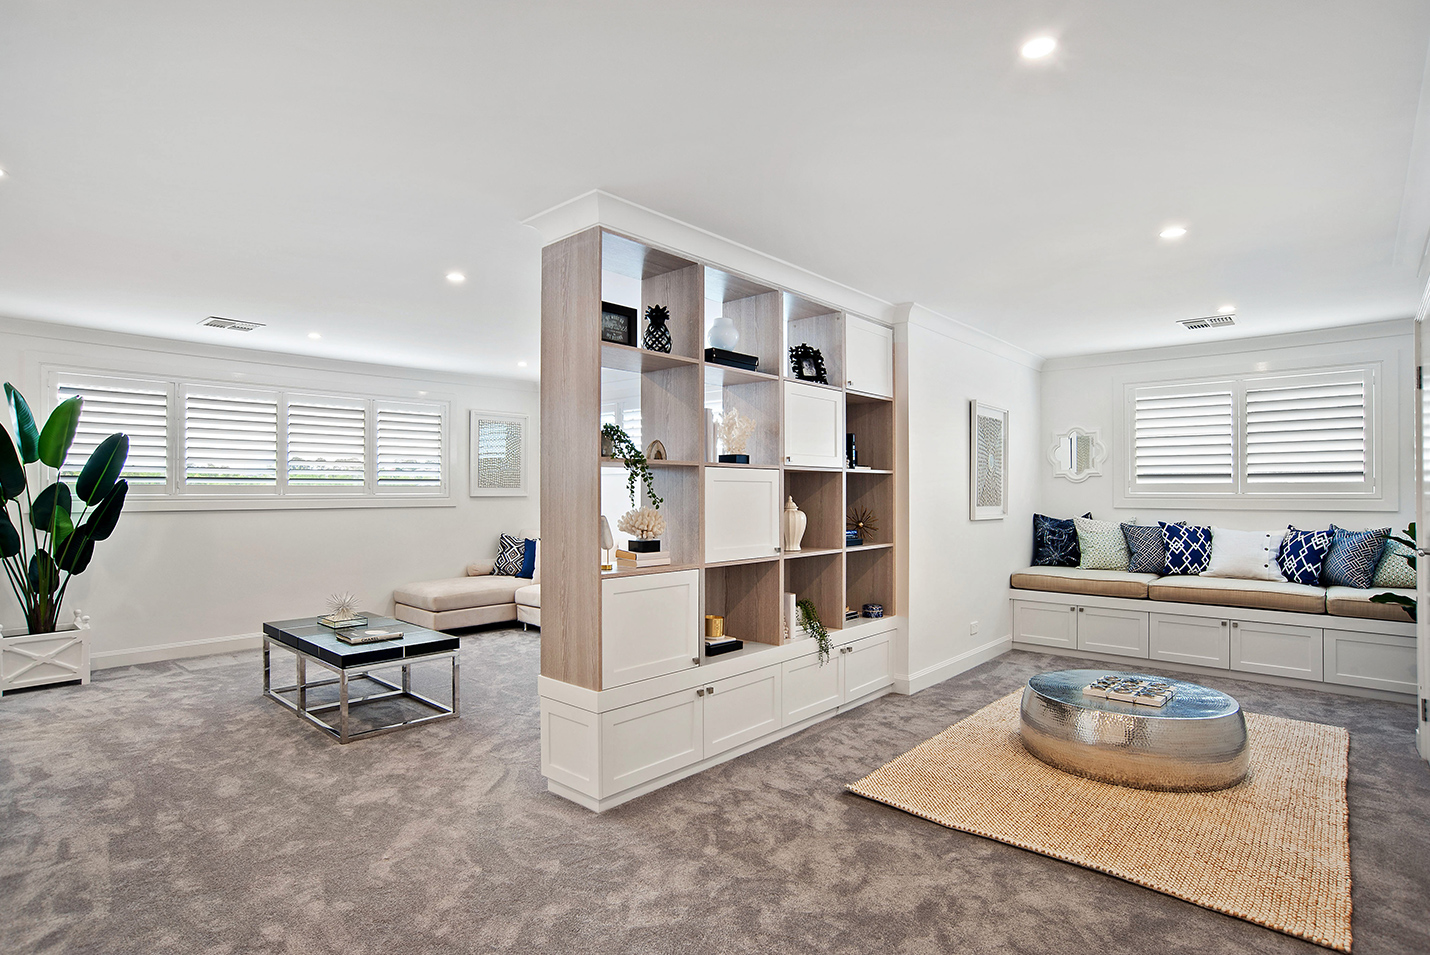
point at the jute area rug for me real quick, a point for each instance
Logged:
(1273, 849)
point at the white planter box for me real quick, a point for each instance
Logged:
(39, 659)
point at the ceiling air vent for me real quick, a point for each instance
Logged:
(1210, 321)
(233, 325)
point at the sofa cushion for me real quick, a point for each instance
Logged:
(1146, 548)
(1395, 568)
(529, 596)
(1355, 602)
(1353, 556)
(1257, 594)
(1101, 544)
(1302, 553)
(1075, 580)
(1055, 541)
(458, 593)
(1189, 547)
(1246, 555)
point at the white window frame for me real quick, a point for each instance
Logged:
(176, 495)
(1380, 492)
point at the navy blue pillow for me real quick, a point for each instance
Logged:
(1352, 558)
(1055, 542)
(1189, 548)
(1146, 547)
(528, 560)
(1302, 554)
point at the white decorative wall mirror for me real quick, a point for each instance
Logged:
(498, 454)
(1077, 454)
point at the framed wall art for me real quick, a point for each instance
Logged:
(498, 454)
(987, 462)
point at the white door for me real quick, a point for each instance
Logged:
(868, 666)
(1422, 542)
(740, 709)
(646, 740)
(742, 513)
(1124, 632)
(810, 689)
(1047, 625)
(1277, 649)
(868, 357)
(814, 426)
(1179, 638)
(650, 625)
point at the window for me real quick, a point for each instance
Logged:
(1300, 436)
(206, 442)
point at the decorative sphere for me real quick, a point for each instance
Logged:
(724, 334)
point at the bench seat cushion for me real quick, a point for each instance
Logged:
(459, 593)
(529, 596)
(1230, 592)
(1074, 580)
(1354, 602)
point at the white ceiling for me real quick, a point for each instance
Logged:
(319, 166)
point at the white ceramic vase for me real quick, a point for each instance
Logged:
(724, 334)
(794, 524)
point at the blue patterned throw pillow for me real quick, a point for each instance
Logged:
(1189, 548)
(511, 555)
(1353, 556)
(1394, 569)
(1146, 547)
(1302, 554)
(1055, 542)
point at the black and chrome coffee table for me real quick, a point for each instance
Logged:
(310, 642)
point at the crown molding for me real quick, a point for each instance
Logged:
(919, 316)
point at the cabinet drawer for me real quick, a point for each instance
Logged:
(1048, 625)
(1377, 661)
(649, 739)
(810, 689)
(1124, 632)
(742, 708)
(868, 666)
(1205, 641)
(742, 513)
(650, 625)
(1276, 649)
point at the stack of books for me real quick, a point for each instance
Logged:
(629, 560)
(722, 645)
(719, 356)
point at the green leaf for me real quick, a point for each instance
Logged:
(44, 576)
(1407, 603)
(27, 435)
(12, 472)
(102, 469)
(101, 523)
(59, 431)
(9, 537)
(56, 497)
(75, 555)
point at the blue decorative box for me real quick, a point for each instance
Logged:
(874, 611)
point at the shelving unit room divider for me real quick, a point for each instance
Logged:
(629, 701)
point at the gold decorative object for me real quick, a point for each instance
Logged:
(714, 626)
(863, 520)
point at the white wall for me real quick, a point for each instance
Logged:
(177, 583)
(1086, 392)
(955, 570)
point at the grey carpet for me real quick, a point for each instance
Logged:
(169, 808)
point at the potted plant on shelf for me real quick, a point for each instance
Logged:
(615, 443)
(46, 544)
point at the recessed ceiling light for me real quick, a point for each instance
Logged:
(1039, 47)
(1227, 310)
(314, 335)
(456, 278)
(521, 364)
(1173, 232)
(2, 174)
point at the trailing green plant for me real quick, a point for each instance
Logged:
(1407, 603)
(809, 620)
(59, 545)
(636, 466)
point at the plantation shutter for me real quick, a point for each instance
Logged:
(134, 407)
(409, 446)
(327, 442)
(230, 439)
(1184, 436)
(1306, 430)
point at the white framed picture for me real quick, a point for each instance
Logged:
(498, 454)
(987, 462)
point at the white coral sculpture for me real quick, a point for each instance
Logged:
(342, 606)
(734, 431)
(643, 522)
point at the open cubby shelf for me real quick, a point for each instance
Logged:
(821, 580)
(748, 597)
(820, 495)
(870, 578)
(628, 358)
(872, 424)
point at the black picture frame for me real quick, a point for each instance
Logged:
(807, 364)
(618, 324)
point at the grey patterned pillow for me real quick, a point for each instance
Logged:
(1146, 547)
(1102, 545)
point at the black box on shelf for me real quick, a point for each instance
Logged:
(727, 645)
(719, 356)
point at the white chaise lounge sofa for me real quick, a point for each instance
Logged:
(478, 597)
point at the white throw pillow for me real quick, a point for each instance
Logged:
(1248, 555)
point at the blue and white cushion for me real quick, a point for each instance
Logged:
(1055, 542)
(1395, 569)
(1353, 556)
(511, 555)
(1189, 548)
(1302, 554)
(1147, 549)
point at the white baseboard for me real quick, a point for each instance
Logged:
(175, 651)
(939, 672)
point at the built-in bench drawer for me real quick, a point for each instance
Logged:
(1044, 624)
(1178, 638)
(1276, 649)
(1373, 660)
(1102, 630)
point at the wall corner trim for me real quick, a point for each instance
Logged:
(929, 676)
(919, 316)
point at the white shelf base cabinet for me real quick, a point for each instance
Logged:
(742, 514)
(658, 617)
(1285, 647)
(603, 748)
(813, 426)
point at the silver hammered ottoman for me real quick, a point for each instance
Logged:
(1196, 742)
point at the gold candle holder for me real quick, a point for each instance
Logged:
(714, 626)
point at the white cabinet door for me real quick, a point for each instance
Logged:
(649, 739)
(1047, 625)
(814, 426)
(868, 356)
(1378, 661)
(868, 666)
(1177, 638)
(742, 708)
(1277, 649)
(742, 513)
(1123, 632)
(650, 625)
(810, 689)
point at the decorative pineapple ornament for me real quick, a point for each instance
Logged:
(657, 336)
